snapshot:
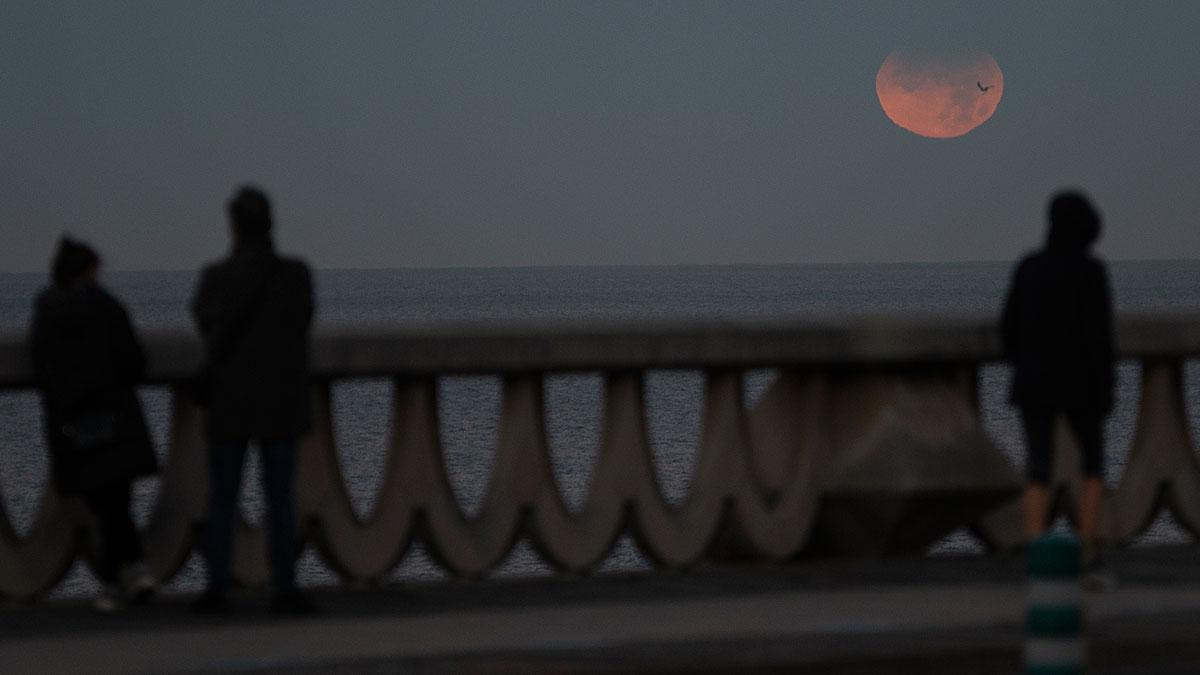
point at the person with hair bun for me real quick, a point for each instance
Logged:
(87, 361)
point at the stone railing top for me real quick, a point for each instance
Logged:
(503, 347)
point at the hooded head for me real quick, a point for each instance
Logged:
(1074, 223)
(73, 261)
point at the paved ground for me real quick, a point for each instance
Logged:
(914, 615)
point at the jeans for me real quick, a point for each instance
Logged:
(278, 464)
(119, 545)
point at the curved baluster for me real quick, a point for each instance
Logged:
(784, 426)
(181, 504)
(1161, 462)
(577, 542)
(33, 565)
(359, 549)
(521, 490)
(416, 496)
(751, 528)
(523, 483)
(721, 479)
(790, 458)
(625, 489)
(623, 479)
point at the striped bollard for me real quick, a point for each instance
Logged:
(1054, 623)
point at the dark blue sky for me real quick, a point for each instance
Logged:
(511, 133)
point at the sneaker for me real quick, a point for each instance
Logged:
(212, 602)
(108, 601)
(294, 603)
(137, 583)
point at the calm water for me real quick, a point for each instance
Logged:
(469, 404)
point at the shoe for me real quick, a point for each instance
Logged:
(108, 601)
(212, 602)
(137, 584)
(294, 603)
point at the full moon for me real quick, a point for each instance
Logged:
(939, 95)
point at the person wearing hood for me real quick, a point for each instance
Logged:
(1057, 329)
(87, 362)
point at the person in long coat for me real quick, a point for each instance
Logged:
(87, 361)
(254, 310)
(1058, 334)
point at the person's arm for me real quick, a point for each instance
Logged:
(211, 311)
(128, 355)
(203, 313)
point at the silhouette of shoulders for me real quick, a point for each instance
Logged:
(240, 264)
(229, 287)
(1057, 330)
(254, 310)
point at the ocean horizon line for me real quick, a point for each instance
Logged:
(734, 265)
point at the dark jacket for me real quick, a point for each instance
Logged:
(254, 310)
(1058, 329)
(87, 360)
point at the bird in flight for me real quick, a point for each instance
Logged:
(983, 88)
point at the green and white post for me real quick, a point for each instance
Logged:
(1054, 643)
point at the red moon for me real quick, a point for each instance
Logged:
(939, 95)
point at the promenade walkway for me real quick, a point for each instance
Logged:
(900, 614)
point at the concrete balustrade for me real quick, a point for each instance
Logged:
(868, 441)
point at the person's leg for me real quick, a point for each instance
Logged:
(1039, 437)
(126, 545)
(1091, 503)
(278, 473)
(136, 582)
(106, 505)
(1035, 505)
(117, 546)
(225, 476)
(1089, 431)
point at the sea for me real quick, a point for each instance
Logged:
(470, 404)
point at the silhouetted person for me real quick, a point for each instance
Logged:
(87, 361)
(1058, 334)
(253, 310)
